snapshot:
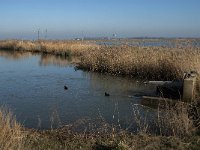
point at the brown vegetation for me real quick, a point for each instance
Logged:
(143, 62)
(76, 48)
(10, 131)
(163, 63)
(173, 129)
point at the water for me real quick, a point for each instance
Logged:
(152, 42)
(32, 87)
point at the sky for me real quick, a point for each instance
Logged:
(64, 19)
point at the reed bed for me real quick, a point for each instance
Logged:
(70, 47)
(67, 48)
(160, 63)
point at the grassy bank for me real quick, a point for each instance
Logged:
(67, 48)
(173, 130)
(162, 63)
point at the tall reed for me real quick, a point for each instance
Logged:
(76, 48)
(142, 62)
(11, 136)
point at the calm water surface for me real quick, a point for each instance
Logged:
(32, 86)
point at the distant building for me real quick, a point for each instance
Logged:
(96, 38)
(77, 39)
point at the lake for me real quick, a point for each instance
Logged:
(170, 42)
(32, 86)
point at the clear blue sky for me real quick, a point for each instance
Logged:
(74, 18)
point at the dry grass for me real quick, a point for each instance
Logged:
(76, 48)
(176, 121)
(172, 129)
(176, 132)
(163, 63)
(10, 131)
(143, 62)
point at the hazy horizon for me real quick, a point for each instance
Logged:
(91, 18)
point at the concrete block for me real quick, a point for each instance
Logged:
(189, 87)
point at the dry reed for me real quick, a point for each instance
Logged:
(176, 121)
(163, 63)
(76, 48)
(174, 125)
(142, 62)
(10, 131)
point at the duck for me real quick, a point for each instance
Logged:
(107, 94)
(65, 87)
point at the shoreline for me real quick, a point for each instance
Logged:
(177, 130)
(180, 134)
(148, 63)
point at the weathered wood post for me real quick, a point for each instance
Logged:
(189, 88)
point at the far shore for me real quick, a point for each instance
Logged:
(144, 62)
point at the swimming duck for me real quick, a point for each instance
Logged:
(107, 94)
(65, 87)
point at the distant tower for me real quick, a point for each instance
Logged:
(38, 34)
(45, 37)
(82, 35)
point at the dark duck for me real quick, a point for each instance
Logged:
(65, 87)
(107, 94)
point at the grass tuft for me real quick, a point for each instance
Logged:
(11, 136)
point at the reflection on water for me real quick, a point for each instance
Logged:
(45, 59)
(14, 55)
(48, 59)
(33, 88)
